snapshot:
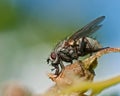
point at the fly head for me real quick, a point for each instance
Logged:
(53, 58)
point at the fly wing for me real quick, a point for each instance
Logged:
(87, 30)
(83, 32)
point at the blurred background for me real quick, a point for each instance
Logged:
(29, 30)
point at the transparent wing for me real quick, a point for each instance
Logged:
(83, 32)
(88, 29)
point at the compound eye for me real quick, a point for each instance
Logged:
(53, 55)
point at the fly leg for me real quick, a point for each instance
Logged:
(62, 65)
(56, 67)
(89, 45)
(99, 49)
(91, 49)
(56, 70)
(85, 47)
(82, 47)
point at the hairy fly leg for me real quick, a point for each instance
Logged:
(83, 46)
(62, 65)
(56, 67)
(99, 49)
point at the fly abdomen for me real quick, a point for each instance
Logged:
(94, 43)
